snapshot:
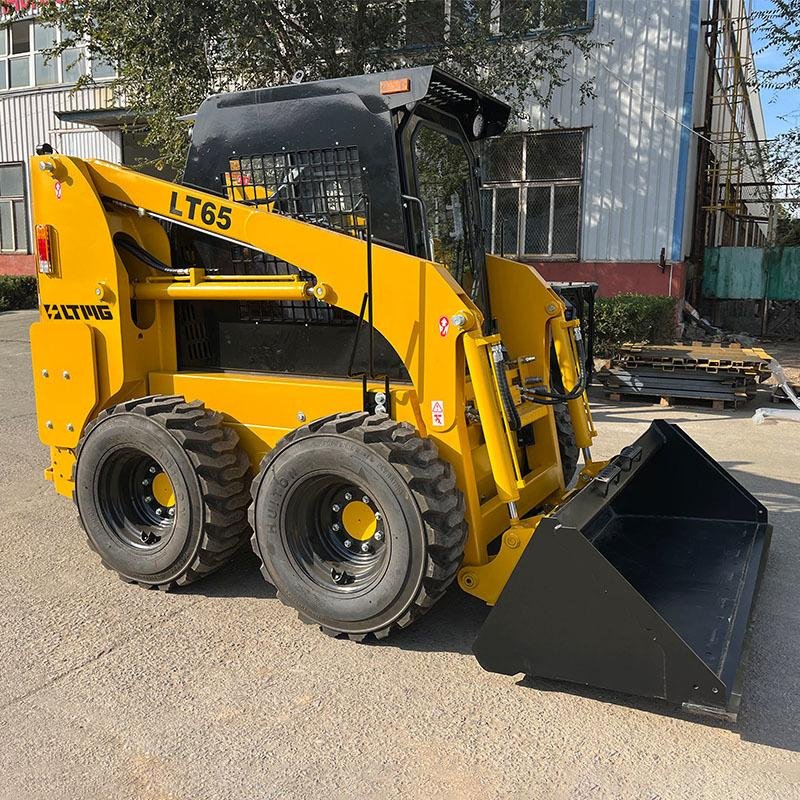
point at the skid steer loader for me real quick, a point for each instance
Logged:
(305, 343)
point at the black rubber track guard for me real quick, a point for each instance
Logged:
(642, 583)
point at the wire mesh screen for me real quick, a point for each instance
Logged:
(532, 183)
(487, 200)
(554, 156)
(319, 186)
(506, 221)
(502, 158)
(322, 187)
(537, 220)
(566, 219)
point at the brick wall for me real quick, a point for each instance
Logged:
(17, 265)
(619, 277)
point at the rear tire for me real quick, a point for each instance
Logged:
(358, 524)
(161, 490)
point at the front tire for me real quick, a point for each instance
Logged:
(567, 445)
(358, 524)
(161, 490)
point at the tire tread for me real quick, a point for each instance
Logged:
(431, 481)
(222, 469)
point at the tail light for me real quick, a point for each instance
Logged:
(43, 249)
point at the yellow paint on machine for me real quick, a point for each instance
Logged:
(128, 350)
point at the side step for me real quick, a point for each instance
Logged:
(642, 583)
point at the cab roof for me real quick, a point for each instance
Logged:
(393, 90)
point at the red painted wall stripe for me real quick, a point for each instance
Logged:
(17, 265)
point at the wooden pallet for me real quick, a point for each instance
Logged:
(717, 404)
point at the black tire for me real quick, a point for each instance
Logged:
(175, 541)
(567, 446)
(413, 496)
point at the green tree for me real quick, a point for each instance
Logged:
(787, 228)
(780, 27)
(172, 54)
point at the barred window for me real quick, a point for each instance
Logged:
(427, 23)
(13, 209)
(531, 193)
(516, 15)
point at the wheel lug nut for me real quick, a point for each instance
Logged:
(336, 508)
(153, 470)
(159, 512)
(336, 526)
(378, 516)
(365, 548)
(172, 512)
(365, 499)
(348, 496)
(148, 499)
(378, 535)
(145, 482)
(348, 543)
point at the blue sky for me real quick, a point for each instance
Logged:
(775, 104)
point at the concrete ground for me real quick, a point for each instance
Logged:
(218, 691)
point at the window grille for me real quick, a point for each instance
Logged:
(322, 187)
(13, 209)
(531, 196)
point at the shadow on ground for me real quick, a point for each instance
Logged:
(604, 410)
(240, 577)
(770, 713)
(771, 684)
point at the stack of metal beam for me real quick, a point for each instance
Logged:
(714, 374)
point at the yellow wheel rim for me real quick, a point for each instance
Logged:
(359, 520)
(163, 492)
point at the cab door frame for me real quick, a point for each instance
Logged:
(427, 116)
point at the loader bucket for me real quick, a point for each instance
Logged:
(643, 582)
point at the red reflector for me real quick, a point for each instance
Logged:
(43, 249)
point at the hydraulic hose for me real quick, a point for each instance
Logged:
(512, 415)
(128, 243)
(547, 398)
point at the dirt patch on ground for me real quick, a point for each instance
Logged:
(787, 354)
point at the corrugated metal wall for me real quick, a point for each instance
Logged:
(28, 118)
(632, 149)
(752, 273)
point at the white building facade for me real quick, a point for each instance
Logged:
(37, 101)
(625, 188)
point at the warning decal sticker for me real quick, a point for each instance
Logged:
(437, 413)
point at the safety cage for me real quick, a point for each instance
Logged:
(322, 187)
(319, 186)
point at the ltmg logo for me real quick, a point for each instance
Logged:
(77, 311)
